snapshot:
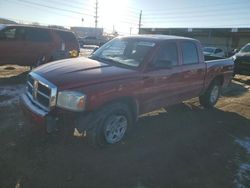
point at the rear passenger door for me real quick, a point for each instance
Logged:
(193, 70)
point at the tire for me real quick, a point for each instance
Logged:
(211, 96)
(112, 124)
(40, 61)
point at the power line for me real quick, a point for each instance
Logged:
(194, 18)
(54, 8)
(72, 6)
(42, 9)
(201, 12)
(183, 8)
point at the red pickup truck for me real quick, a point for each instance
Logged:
(128, 76)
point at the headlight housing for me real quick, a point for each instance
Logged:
(71, 100)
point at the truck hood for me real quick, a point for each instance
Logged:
(79, 72)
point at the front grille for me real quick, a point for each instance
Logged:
(44, 89)
(41, 92)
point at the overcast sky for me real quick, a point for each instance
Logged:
(123, 15)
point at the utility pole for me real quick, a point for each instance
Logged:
(96, 13)
(140, 22)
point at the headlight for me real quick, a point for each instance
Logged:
(71, 100)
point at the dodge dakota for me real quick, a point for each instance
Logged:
(103, 95)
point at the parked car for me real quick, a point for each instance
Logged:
(33, 45)
(91, 40)
(104, 94)
(242, 60)
(213, 51)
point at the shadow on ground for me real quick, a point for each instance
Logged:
(16, 79)
(234, 90)
(244, 81)
(186, 146)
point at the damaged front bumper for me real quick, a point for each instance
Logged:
(37, 115)
(50, 119)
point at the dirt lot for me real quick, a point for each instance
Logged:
(185, 146)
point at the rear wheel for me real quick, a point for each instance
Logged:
(112, 124)
(211, 96)
(40, 61)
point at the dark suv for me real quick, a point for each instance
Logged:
(242, 60)
(32, 45)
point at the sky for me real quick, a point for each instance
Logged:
(123, 15)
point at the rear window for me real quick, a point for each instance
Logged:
(66, 36)
(37, 35)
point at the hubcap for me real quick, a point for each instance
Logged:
(115, 128)
(214, 94)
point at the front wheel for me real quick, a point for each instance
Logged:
(211, 96)
(111, 125)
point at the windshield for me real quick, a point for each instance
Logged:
(129, 51)
(245, 48)
(208, 50)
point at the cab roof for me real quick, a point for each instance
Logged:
(34, 26)
(159, 37)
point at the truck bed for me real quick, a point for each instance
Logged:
(218, 66)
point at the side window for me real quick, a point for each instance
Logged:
(13, 34)
(66, 36)
(38, 35)
(167, 56)
(189, 53)
(8, 34)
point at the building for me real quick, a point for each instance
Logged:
(225, 38)
(87, 31)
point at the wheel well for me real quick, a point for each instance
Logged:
(219, 78)
(132, 104)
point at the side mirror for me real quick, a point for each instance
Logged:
(96, 48)
(235, 50)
